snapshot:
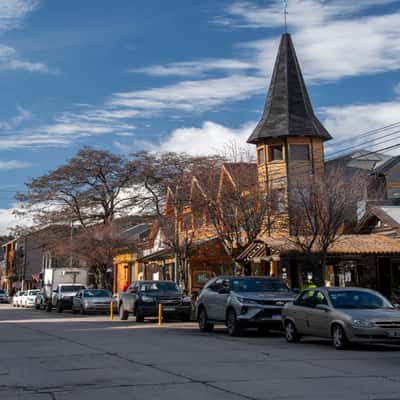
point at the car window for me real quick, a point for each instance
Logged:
(358, 299)
(220, 283)
(319, 298)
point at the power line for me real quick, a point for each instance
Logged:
(375, 141)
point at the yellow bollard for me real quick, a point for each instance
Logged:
(111, 311)
(159, 314)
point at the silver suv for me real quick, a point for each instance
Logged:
(242, 302)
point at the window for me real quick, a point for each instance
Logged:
(261, 155)
(299, 152)
(275, 152)
(311, 298)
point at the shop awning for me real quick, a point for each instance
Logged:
(266, 247)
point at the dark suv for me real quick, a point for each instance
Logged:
(143, 297)
(242, 302)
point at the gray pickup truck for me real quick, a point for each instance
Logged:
(143, 297)
(62, 296)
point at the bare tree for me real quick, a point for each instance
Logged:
(321, 210)
(88, 189)
(242, 210)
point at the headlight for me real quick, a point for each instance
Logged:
(147, 299)
(187, 299)
(362, 323)
(244, 300)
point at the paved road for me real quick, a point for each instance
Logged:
(62, 357)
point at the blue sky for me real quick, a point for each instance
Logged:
(179, 74)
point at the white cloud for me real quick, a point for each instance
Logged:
(351, 121)
(12, 12)
(10, 221)
(195, 68)
(194, 96)
(397, 89)
(13, 164)
(207, 139)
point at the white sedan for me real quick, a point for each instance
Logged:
(29, 299)
(16, 299)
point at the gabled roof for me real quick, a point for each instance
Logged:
(388, 165)
(288, 110)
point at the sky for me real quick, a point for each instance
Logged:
(179, 75)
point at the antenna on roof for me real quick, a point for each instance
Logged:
(285, 13)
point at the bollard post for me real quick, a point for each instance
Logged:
(111, 311)
(159, 314)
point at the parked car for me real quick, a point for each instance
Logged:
(29, 299)
(62, 296)
(143, 297)
(3, 296)
(15, 299)
(345, 315)
(40, 300)
(21, 298)
(242, 302)
(92, 300)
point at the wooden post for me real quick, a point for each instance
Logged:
(159, 314)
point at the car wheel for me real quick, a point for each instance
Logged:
(339, 337)
(291, 332)
(204, 325)
(48, 307)
(232, 324)
(139, 315)
(123, 314)
(74, 310)
(59, 308)
(82, 310)
(37, 306)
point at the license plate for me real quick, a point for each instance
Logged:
(395, 334)
(169, 308)
(277, 317)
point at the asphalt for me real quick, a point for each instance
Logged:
(62, 357)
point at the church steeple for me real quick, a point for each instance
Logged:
(288, 110)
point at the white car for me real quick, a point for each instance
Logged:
(15, 299)
(29, 299)
(21, 298)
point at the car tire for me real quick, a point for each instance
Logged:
(202, 320)
(123, 314)
(48, 307)
(59, 308)
(339, 338)
(74, 311)
(233, 325)
(82, 310)
(291, 333)
(37, 306)
(139, 315)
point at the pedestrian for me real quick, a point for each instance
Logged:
(125, 287)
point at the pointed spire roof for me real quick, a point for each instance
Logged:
(288, 110)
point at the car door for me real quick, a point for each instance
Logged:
(318, 318)
(221, 299)
(77, 300)
(212, 299)
(301, 309)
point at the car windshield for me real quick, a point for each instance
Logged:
(96, 293)
(357, 299)
(258, 285)
(71, 288)
(2, 292)
(33, 292)
(159, 287)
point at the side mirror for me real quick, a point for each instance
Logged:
(323, 307)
